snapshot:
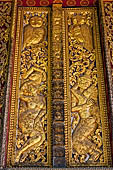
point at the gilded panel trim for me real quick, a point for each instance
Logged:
(107, 46)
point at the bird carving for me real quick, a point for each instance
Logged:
(34, 32)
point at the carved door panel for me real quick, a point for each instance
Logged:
(58, 114)
(86, 123)
(29, 141)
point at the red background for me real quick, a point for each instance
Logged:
(49, 3)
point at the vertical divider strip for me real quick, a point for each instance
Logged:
(57, 88)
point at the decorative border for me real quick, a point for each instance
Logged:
(5, 0)
(66, 3)
(5, 30)
(77, 168)
(9, 83)
(65, 88)
(102, 97)
(109, 70)
(14, 97)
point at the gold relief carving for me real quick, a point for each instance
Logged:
(86, 138)
(57, 87)
(5, 20)
(108, 8)
(31, 125)
(83, 113)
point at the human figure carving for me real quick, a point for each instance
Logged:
(30, 120)
(87, 111)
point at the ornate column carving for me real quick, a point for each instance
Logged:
(57, 88)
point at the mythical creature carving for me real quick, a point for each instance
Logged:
(31, 135)
(81, 26)
(84, 90)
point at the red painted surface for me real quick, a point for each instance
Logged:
(66, 3)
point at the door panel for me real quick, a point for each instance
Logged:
(29, 133)
(58, 114)
(86, 122)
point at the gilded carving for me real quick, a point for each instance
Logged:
(83, 101)
(5, 20)
(57, 85)
(33, 93)
(83, 90)
(31, 126)
(108, 8)
(79, 113)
